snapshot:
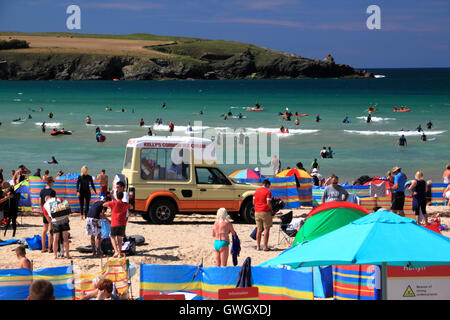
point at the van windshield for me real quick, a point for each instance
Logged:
(128, 158)
(157, 164)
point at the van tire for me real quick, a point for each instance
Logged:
(146, 216)
(162, 211)
(248, 212)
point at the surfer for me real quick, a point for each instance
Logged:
(99, 135)
(164, 105)
(345, 120)
(257, 106)
(201, 112)
(423, 137)
(149, 132)
(429, 125)
(371, 109)
(419, 128)
(369, 118)
(88, 120)
(29, 116)
(318, 118)
(141, 123)
(50, 115)
(43, 127)
(402, 141)
(229, 113)
(53, 161)
(123, 110)
(239, 115)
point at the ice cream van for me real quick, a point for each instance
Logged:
(170, 175)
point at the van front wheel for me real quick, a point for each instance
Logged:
(248, 212)
(162, 212)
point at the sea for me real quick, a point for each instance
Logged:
(360, 148)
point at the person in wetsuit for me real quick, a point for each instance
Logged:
(423, 137)
(429, 125)
(419, 128)
(402, 141)
(318, 118)
(43, 127)
(83, 190)
(11, 208)
(369, 118)
(345, 120)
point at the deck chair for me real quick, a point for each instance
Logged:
(284, 233)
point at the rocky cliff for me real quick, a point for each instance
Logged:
(247, 64)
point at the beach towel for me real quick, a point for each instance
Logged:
(235, 249)
(9, 241)
(378, 190)
(245, 274)
(106, 228)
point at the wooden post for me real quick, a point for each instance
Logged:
(384, 280)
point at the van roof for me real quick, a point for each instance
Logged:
(203, 149)
(168, 142)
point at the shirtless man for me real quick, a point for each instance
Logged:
(21, 174)
(103, 181)
(24, 263)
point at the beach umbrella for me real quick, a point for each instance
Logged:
(380, 238)
(246, 174)
(328, 217)
(302, 174)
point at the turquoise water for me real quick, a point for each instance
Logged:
(360, 148)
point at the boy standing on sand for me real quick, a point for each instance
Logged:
(103, 181)
(24, 263)
(118, 221)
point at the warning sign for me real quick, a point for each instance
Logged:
(409, 292)
(425, 283)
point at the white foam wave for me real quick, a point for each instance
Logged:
(107, 125)
(49, 124)
(393, 133)
(375, 119)
(115, 131)
(379, 76)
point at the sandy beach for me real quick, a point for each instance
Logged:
(188, 241)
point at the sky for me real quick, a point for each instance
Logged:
(412, 33)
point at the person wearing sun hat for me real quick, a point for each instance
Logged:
(398, 191)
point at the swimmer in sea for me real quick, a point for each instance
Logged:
(149, 132)
(43, 127)
(123, 110)
(429, 125)
(297, 122)
(141, 123)
(230, 113)
(201, 112)
(50, 115)
(88, 120)
(282, 129)
(164, 105)
(318, 118)
(402, 141)
(29, 116)
(369, 118)
(41, 109)
(225, 118)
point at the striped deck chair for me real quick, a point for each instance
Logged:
(114, 269)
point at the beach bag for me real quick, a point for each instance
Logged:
(35, 243)
(106, 246)
(129, 246)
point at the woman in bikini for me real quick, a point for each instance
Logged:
(221, 233)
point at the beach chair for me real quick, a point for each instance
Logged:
(284, 233)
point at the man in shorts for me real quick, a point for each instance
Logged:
(398, 191)
(58, 224)
(47, 191)
(118, 221)
(262, 200)
(103, 177)
(94, 223)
